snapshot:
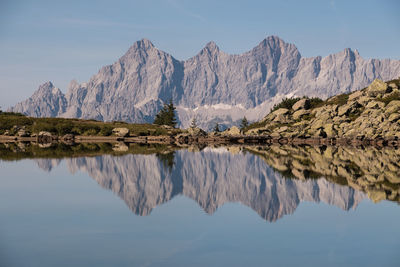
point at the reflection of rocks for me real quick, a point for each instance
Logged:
(372, 170)
(211, 177)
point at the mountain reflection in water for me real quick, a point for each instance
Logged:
(272, 180)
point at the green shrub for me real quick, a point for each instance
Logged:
(64, 128)
(90, 132)
(106, 130)
(285, 103)
(339, 100)
(315, 102)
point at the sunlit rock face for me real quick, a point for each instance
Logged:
(211, 177)
(212, 85)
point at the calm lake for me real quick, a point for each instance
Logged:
(129, 205)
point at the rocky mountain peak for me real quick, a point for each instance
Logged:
(46, 87)
(139, 47)
(144, 44)
(210, 49)
(349, 53)
(272, 42)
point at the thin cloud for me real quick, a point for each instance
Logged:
(333, 4)
(102, 23)
(182, 9)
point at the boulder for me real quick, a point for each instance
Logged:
(281, 111)
(280, 118)
(121, 132)
(344, 110)
(120, 147)
(23, 133)
(355, 95)
(316, 124)
(282, 129)
(393, 86)
(329, 130)
(393, 106)
(44, 133)
(195, 131)
(301, 104)
(377, 87)
(232, 131)
(68, 137)
(376, 195)
(300, 113)
(348, 108)
(375, 104)
(394, 117)
(363, 100)
(320, 133)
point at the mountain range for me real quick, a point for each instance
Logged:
(212, 86)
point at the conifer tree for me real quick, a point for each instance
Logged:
(166, 116)
(244, 123)
(216, 128)
(193, 124)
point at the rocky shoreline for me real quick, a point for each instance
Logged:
(186, 139)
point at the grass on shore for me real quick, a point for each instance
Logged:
(62, 126)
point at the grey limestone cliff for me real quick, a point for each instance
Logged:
(213, 85)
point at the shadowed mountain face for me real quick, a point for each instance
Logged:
(211, 177)
(213, 85)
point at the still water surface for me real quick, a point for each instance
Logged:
(214, 207)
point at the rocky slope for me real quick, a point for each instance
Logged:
(213, 86)
(373, 112)
(211, 177)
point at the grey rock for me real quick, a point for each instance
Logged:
(122, 131)
(212, 86)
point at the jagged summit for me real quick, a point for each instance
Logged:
(143, 43)
(142, 46)
(213, 86)
(211, 46)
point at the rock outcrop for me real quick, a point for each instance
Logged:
(212, 86)
(373, 112)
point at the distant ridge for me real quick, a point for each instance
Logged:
(212, 86)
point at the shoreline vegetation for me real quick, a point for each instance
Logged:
(370, 116)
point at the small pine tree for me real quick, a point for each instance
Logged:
(193, 124)
(171, 118)
(216, 128)
(244, 123)
(166, 116)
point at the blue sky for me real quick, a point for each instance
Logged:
(64, 40)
